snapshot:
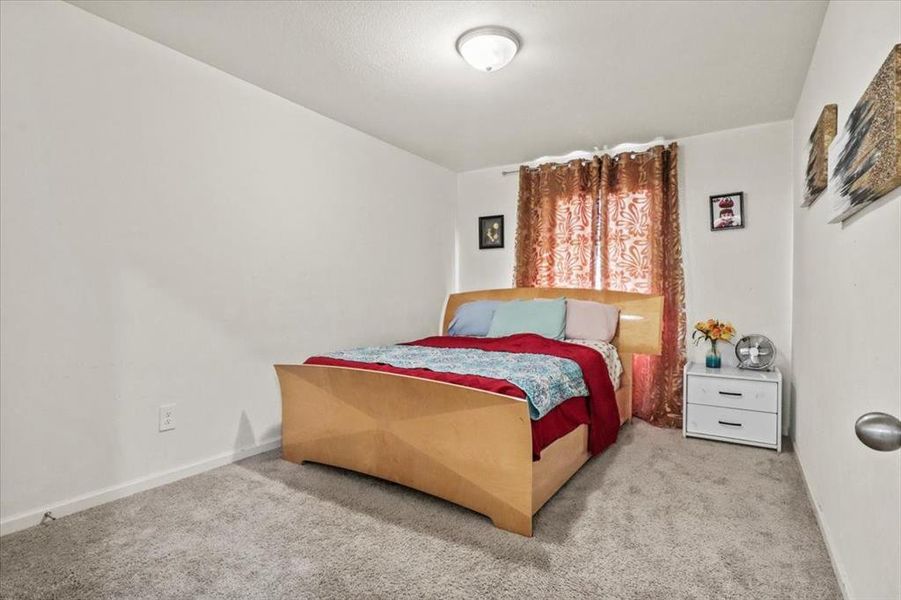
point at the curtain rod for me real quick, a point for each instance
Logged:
(515, 171)
(620, 149)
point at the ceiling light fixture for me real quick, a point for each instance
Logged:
(488, 48)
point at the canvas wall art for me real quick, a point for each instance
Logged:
(867, 154)
(818, 153)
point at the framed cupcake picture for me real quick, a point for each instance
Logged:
(727, 211)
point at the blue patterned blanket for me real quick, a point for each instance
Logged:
(546, 380)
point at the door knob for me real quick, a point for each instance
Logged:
(879, 431)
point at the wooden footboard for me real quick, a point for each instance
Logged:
(470, 447)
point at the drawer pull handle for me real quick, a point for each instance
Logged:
(736, 394)
(729, 424)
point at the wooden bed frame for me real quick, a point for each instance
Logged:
(468, 446)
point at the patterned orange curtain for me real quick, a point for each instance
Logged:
(557, 225)
(613, 223)
(641, 251)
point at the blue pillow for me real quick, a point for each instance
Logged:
(473, 318)
(544, 317)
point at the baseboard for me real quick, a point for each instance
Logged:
(840, 574)
(102, 496)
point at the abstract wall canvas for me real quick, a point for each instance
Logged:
(818, 153)
(867, 154)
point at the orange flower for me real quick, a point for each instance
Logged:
(713, 330)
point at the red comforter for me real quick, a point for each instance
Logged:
(598, 410)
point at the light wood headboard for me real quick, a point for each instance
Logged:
(640, 318)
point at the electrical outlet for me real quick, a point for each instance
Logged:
(167, 417)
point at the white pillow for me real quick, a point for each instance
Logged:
(587, 320)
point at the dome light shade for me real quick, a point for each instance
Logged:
(488, 48)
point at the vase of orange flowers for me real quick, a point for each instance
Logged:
(713, 331)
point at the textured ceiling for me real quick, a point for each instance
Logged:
(588, 74)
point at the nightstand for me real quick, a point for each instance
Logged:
(733, 405)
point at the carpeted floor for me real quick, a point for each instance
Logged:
(656, 516)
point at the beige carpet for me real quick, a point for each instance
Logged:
(656, 516)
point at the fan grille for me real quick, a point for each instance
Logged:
(755, 352)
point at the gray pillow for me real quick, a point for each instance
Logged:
(473, 318)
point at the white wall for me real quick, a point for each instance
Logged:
(741, 275)
(846, 331)
(482, 193)
(168, 233)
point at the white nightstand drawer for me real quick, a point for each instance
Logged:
(733, 393)
(730, 423)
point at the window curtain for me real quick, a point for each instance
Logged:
(640, 250)
(557, 225)
(613, 223)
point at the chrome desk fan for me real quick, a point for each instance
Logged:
(756, 352)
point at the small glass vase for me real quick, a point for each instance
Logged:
(714, 360)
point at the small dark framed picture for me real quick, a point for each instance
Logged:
(727, 211)
(491, 232)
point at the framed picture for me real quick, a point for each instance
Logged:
(491, 232)
(727, 211)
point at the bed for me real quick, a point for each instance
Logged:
(465, 445)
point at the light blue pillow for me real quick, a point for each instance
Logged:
(544, 317)
(473, 318)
